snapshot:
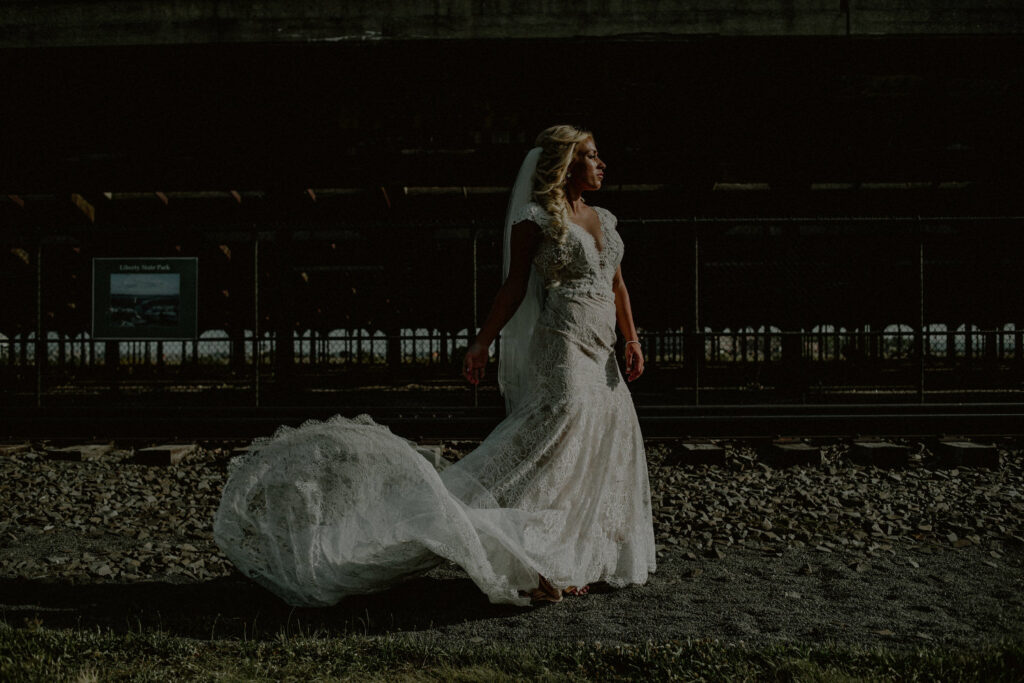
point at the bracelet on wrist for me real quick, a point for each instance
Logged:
(633, 341)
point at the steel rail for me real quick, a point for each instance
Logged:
(453, 423)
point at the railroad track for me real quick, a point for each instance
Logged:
(439, 422)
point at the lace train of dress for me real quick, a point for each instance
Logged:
(559, 488)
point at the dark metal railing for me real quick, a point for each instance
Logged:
(794, 308)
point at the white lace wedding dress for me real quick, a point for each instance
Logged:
(559, 488)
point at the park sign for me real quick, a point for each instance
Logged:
(144, 298)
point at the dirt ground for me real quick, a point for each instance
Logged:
(951, 598)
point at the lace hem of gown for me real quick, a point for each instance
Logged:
(346, 507)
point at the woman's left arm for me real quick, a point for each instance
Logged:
(624, 316)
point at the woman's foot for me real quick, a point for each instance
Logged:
(544, 592)
(573, 590)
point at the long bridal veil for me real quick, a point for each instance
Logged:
(517, 332)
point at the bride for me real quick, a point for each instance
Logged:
(555, 498)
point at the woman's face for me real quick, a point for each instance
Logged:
(587, 170)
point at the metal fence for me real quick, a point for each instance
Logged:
(438, 348)
(729, 310)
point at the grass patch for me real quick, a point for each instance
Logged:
(34, 654)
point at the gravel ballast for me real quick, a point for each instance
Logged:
(919, 555)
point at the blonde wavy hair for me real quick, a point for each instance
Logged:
(558, 149)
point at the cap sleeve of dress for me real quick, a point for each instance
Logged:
(531, 212)
(607, 217)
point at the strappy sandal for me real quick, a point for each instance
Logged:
(537, 596)
(543, 593)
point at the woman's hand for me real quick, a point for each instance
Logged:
(634, 361)
(525, 238)
(474, 363)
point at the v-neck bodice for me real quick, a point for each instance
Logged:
(600, 229)
(576, 260)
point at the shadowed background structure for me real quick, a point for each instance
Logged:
(820, 200)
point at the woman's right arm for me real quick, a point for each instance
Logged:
(522, 246)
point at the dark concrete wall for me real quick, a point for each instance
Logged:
(28, 23)
(785, 111)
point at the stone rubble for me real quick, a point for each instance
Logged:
(837, 506)
(111, 519)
